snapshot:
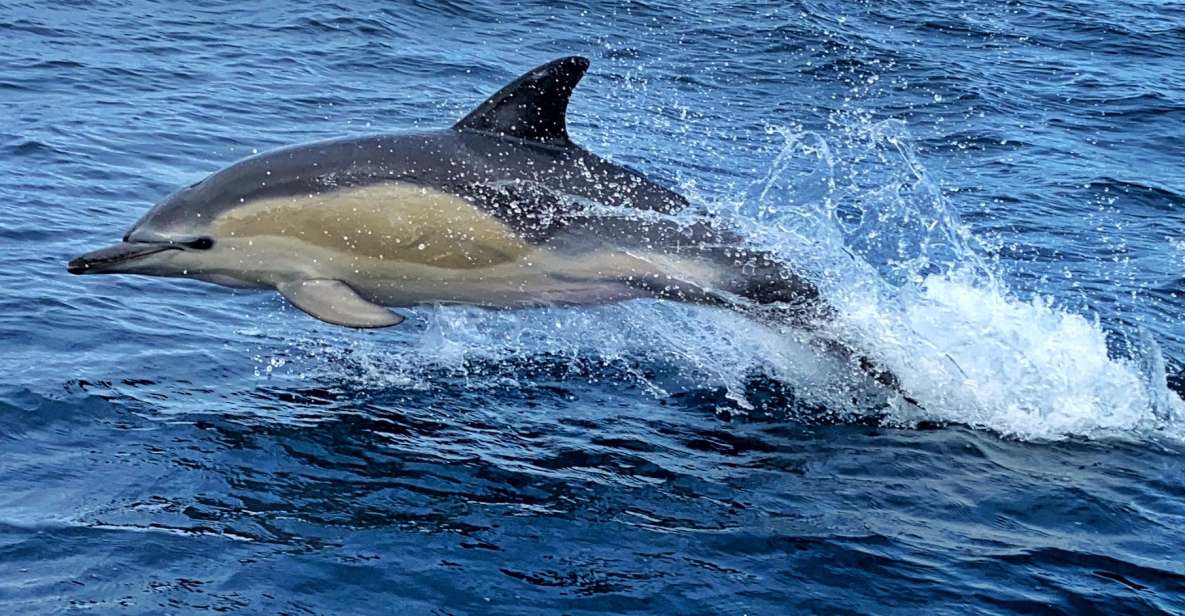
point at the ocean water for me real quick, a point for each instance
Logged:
(993, 194)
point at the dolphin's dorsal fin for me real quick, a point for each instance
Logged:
(533, 106)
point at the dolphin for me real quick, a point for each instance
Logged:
(501, 210)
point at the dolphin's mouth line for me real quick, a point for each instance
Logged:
(95, 262)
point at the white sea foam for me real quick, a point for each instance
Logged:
(914, 291)
(976, 355)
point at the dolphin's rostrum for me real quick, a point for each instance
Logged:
(502, 210)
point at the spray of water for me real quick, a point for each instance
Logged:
(914, 292)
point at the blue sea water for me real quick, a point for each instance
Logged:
(992, 193)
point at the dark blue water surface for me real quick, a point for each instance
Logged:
(993, 194)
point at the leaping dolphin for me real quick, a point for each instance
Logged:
(501, 210)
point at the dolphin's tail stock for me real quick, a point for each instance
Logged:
(777, 297)
(881, 375)
(777, 315)
(767, 291)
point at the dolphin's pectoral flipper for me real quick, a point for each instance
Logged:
(333, 301)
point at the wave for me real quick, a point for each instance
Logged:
(918, 293)
(915, 291)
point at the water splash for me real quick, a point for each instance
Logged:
(917, 293)
(657, 348)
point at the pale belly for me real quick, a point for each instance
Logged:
(403, 245)
(539, 277)
(541, 280)
(522, 292)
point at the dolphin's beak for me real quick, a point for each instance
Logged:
(108, 260)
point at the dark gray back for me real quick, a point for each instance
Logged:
(511, 157)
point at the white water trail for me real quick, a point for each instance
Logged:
(916, 293)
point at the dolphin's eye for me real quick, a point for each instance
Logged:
(201, 243)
